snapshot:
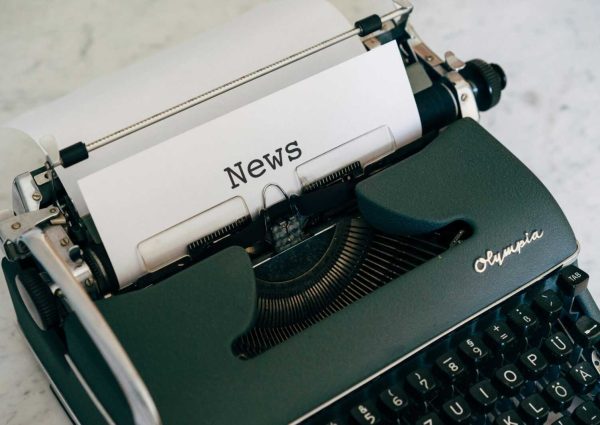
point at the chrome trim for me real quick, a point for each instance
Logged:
(57, 393)
(448, 68)
(26, 194)
(12, 227)
(70, 255)
(89, 391)
(138, 397)
(317, 409)
(63, 403)
(596, 361)
(464, 93)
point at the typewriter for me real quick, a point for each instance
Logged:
(435, 285)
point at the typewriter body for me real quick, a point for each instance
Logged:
(435, 285)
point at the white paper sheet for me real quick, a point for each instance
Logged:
(171, 184)
(262, 36)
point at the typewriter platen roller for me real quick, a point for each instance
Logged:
(301, 314)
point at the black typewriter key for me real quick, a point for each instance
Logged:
(366, 414)
(559, 394)
(509, 379)
(587, 331)
(572, 280)
(548, 305)
(450, 367)
(565, 420)
(587, 413)
(583, 376)
(474, 351)
(533, 364)
(422, 384)
(500, 337)
(523, 320)
(484, 395)
(393, 400)
(534, 409)
(509, 417)
(429, 419)
(457, 410)
(558, 347)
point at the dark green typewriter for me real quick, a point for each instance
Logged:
(436, 285)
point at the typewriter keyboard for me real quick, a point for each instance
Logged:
(530, 360)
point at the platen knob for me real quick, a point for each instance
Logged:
(38, 299)
(487, 80)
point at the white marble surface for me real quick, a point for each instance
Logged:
(549, 115)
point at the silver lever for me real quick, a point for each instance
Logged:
(140, 401)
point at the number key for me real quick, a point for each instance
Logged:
(366, 414)
(474, 351)
(422, 384)
(393, 400)
(450, 367)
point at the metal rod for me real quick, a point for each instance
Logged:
(136, 393)
(167, 113)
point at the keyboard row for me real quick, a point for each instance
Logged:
(535, 362)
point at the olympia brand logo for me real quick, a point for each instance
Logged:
(497, 258)
(238, 174)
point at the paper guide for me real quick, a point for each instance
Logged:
(229, 160)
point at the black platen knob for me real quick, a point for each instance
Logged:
(38, 299)
(487, 80)
(105, 282)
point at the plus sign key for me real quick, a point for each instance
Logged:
(500, 337)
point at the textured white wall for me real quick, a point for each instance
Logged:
(549, 114)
